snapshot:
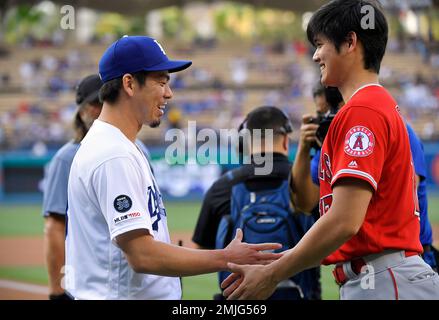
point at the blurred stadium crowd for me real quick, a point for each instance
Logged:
(38, 78)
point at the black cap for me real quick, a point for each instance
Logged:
(88, 89)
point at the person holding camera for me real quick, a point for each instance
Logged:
(312, 133)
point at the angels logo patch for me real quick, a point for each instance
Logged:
(359, 142)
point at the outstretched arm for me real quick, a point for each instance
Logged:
(351, 198)
(146, 255)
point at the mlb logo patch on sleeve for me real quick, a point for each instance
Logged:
(122, 203)
(127, 216)
(359, 142)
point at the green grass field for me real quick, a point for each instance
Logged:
(26, 220)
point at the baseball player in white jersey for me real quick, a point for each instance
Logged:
(55, 183)
(118, 244)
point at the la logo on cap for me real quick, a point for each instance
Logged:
(132, 54)
(160, 46)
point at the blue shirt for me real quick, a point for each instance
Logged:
(56, 177)
(55, 180)
(315, 168)
(417, 149)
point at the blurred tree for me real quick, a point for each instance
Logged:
(137, 26)
(435, 24)
(21, 22)
(220, 20)
(245, 21)
(113, 24)
(176, 25)
(279, 25)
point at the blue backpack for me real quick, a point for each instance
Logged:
(263, 216)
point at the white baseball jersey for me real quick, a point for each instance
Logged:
(111, 190)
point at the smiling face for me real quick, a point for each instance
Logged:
(333, 63)
(151, 98)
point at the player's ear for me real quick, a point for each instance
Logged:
(128, 84)
(351, 41)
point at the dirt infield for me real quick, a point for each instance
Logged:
(11, 294)
(13, 290)
(21, 251)
(28, 251)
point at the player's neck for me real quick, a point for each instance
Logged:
(357, 80)
(116, 116)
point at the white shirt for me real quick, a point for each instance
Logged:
(111, 190)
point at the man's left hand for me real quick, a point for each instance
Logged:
(248, 282)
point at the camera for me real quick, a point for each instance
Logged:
(333, 99)
(324, 121)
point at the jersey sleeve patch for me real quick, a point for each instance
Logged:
(127, 216)
(359, 142)
(122, 203)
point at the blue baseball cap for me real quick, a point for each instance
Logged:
(132, 54)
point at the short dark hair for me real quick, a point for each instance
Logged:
(334, 98)
(318, 90)
(337, 18)
(332, 95)
(110, 89)
(268, 117)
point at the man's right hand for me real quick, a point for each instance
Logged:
(240, 252)
(307, 132)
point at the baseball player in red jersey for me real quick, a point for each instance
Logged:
(369, 224)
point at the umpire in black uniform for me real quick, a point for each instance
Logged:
(217, 201)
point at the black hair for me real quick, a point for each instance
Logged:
(333, 98)
(265, 117)
(318, 90)
(336, 19)
(109, 91)
(268, 117)
(79, 127)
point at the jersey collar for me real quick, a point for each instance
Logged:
(364, 86)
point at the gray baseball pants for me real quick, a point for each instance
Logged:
(391, 276)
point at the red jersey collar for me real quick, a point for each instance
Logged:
(364, 86)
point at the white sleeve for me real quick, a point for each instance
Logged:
(120, 188)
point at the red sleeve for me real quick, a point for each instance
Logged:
(359, 145)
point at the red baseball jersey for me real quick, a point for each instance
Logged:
(368, 140)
